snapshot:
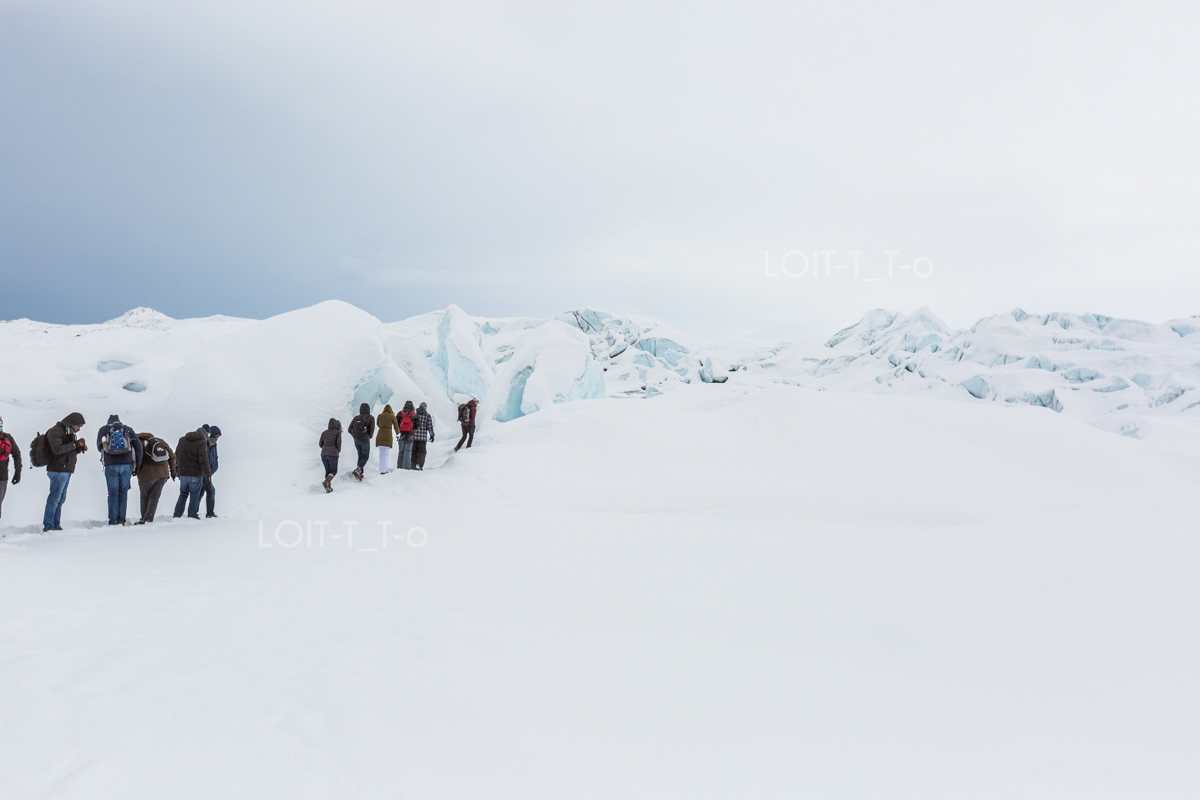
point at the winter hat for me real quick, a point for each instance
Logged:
(74, 418)
(214, 432)
(423, 406)
(114, 419)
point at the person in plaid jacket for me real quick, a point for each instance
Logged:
(422, 434)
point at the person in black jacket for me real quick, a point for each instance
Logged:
(121, 450)
(361, 429)
(192, 465)
(63, 451)
(8, 452)
(331, 447)
(209, 492)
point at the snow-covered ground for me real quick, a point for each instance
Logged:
(802, 581)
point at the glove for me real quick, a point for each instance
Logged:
(16, 477)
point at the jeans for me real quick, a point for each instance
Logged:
(52, 519)
(209, 493)
(385, 459)
(117, 477)
(364, 454)
(150, 492)
(404, 459)
(418, 458)
(189, 492)
(330, 463)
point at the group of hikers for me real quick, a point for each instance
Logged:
(193, 462)
(409, 432)
(124, 454)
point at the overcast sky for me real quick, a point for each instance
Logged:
(526, 158)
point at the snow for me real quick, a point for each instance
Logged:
(826, 576)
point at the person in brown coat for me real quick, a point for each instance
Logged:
(383, 440)
(158, 464)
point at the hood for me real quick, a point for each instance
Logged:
(145, 437)
(334, 425)
(113, 419)
(74, 418)
(195, 436)
(408, 407)
(388, 409)
(365, 408)
(473, 402)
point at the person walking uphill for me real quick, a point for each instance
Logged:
(121, 451)
(331, 448)
(208, 491)
(191, 455)
(383, 439)
(404, 424)
(62, 450)
(361, 429)
(158, 464)
(422, 435)
(466, 416)
(9, 452)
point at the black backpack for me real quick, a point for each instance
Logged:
(39, 451)
(157, 450)
(464, 413)
(358, 428)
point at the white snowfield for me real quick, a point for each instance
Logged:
(846, 571)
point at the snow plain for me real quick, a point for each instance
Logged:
(775, 586)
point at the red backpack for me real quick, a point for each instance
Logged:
(406, 421)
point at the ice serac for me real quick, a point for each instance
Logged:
(549, 363)
(459, 355)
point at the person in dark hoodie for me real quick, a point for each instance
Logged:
(121, 451)
(466, 416)
(422, 436)
(158, 464)
(361, 429)
(191, 455)
(8, 452)
(331, 449)
(62, 451)
(404, 425)
(209, 492)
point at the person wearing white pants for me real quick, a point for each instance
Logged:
(383, 438)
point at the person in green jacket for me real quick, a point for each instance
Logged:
(383, 439)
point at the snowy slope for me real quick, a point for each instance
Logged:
(802, 581)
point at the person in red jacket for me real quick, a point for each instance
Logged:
(8, 452)
(466, 416)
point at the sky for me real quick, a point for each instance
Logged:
(742, 170)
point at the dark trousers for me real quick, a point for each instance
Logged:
(404, 454)
(468, 435)
(330, 463)
(209, 493)
(364, 454)
(150, 492)
(3, 491)
(418, 455)
(189, 493)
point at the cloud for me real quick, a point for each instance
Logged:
(517, 157)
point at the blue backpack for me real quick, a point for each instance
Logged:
(116, 443)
